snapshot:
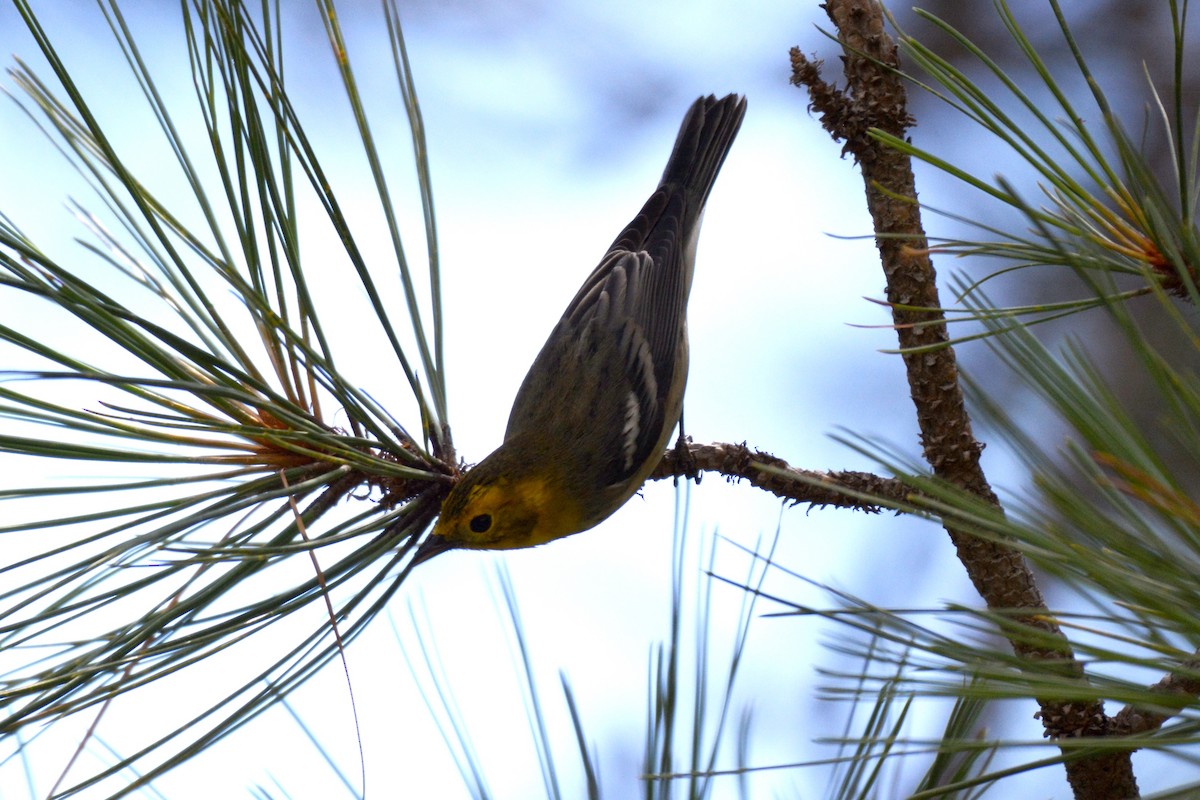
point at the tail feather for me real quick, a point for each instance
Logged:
(705, 137)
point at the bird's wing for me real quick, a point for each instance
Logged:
(613, 369)
(605, 371)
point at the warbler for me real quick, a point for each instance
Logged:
(594, 414)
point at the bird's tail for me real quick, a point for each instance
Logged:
(705, 137)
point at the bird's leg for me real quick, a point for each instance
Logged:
(685, 462)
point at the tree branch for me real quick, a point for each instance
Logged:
(1179, 688)
(875, 98)
(843, 489)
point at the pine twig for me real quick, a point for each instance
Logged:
(842, 488)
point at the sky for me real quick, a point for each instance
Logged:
(548, 126)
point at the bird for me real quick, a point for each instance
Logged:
(594, 414)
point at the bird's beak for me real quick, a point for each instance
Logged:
(432, 546)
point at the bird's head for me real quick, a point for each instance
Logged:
(499, 506)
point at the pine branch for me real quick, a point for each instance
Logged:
(1178, 688)
(863, 491)
(875, 98)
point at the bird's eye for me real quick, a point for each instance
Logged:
(481, 522)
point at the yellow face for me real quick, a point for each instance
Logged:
(486, 511)
(486, 516)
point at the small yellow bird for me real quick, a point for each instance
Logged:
(597, 408)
